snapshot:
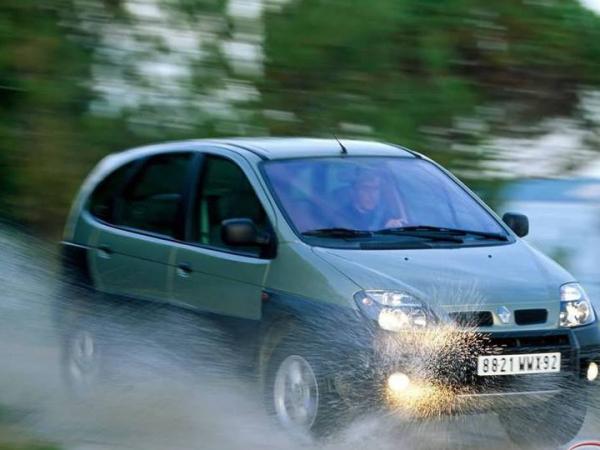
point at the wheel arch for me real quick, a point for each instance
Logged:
(337, 329)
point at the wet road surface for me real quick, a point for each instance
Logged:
(157, 401)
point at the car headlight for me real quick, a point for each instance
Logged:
(575, 306)
(395, 310)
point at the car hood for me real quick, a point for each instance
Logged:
(459, 279)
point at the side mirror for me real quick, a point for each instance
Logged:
(519, 223)
(243, 232)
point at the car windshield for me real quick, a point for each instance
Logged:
(340, 196)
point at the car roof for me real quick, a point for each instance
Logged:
(278, 148)
(284, 147)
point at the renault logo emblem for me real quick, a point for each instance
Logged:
(504, 314)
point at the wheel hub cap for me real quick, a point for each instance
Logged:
(296, 393)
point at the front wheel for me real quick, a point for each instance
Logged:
(299, 394)
(549, 424)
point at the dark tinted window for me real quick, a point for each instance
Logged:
(102, 199)
(151, 202)
(224, 193)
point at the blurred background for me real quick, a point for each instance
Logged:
(505, 94)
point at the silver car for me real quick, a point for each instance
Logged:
(360, 275)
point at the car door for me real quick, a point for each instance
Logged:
(130, 255)
(208, 274)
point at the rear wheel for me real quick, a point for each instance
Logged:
(80, 319)
(81, 362)
(549, 424)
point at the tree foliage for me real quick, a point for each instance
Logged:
(83, 78)
(408, 69)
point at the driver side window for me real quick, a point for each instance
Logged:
(224, 193)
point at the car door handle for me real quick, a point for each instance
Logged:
(184, 270)
(104, 251)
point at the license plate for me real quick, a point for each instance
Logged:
(518, 364)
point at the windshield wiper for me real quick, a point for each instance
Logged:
(338, 233)
(452, 231)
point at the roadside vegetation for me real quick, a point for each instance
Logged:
(80, 79)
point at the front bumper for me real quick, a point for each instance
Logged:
(445, 374)
(586, 344)
(494, 401)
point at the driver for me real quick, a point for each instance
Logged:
(368, 208)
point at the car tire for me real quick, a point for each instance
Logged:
(82, 362)
(550, 424)
(83, 349)
(299, 394)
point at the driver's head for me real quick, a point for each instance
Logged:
(367, 190)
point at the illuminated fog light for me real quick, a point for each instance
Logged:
(592, 371)
(393, 320)
(398, 382)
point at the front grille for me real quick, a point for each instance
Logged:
(531, 316)
(537, 342)
(473, 318)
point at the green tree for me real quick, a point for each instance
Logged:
(83, 78)
(405, 71)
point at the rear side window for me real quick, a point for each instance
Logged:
(103, 198)
(152, 201)
(225, 193)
